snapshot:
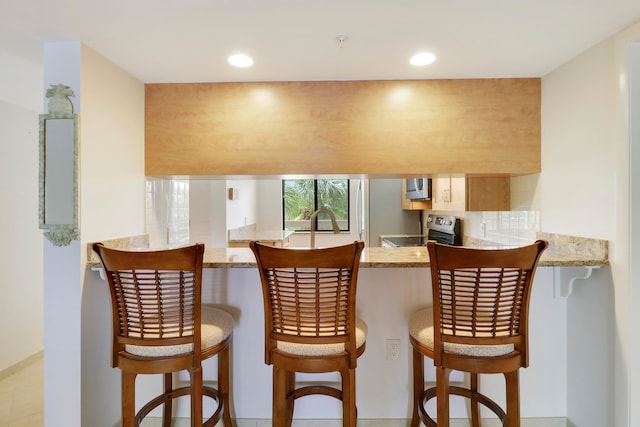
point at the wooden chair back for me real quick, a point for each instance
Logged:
(155, 296)
(309, 295)
(481, 296)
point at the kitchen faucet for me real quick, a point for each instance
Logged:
(336, 227)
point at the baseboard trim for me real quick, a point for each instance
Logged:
(245, 422)
(5, 373)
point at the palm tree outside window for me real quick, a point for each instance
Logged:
(302, 197)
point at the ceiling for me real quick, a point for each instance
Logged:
(190, 40)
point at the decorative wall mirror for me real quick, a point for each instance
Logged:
(59, 168)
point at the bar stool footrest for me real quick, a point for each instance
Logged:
(458, 391)
(179, 392)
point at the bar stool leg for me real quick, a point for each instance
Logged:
(442, 396)
(418, 386)
(512, 418)
(279, 397)
(167, 412)
(291, 385)
(128, 399)
(475, 406)
(196, 396)
(349, 416)
(223, 385)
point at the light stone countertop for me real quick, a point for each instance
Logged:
(249, 232)
(269, 235)
(563, 251)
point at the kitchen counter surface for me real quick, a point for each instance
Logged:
(563, 251)
(240, 237)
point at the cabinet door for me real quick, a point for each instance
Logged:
(491, 193)
(449, 193)
(458, 193)
(440, 191)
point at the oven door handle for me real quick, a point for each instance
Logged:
(441, 237)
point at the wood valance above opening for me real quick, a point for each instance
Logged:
(477, 126)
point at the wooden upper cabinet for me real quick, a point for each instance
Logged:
(384, 128)
(491, 193)
(455, 192)
(449, 192)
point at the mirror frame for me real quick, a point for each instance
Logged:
(58, 234)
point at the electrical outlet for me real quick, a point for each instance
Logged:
(393, 349)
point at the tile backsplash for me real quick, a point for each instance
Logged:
(515, 227)
(510, 228)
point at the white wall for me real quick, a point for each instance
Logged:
(634, 231)
(242, 210)
(112, 205)
(207, 212)
(62, 278)
(77, 376)
(21, 305)
(112, 167)
(579, 190)
(269, 204)
(578, 162)
(212, 214)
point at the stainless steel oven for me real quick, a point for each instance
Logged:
(444, 229)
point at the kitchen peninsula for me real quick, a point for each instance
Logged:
(393, 282)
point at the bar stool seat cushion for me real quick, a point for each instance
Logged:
(324, 349)
(217, 325)
(421, 329)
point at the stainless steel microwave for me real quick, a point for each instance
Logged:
(418, 188)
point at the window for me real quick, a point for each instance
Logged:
(302, 197)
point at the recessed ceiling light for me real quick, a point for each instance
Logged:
(421, 59)
(240, 60)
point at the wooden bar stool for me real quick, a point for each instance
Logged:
(478, 324)
(160, 327)
(310, 322)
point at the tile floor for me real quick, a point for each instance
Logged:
(22, 397)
